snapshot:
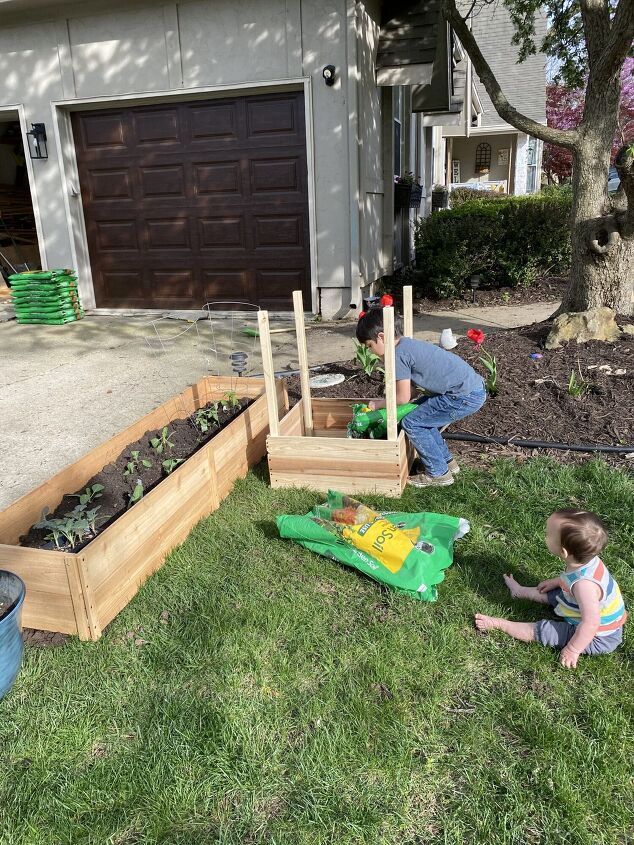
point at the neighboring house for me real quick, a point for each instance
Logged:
(194, 151)
(478, 148)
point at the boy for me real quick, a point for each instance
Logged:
(585, 595)
(456, 391)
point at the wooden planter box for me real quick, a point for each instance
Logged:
(328, 460)
(80, 593)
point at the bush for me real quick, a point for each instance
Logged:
(508, 240)
(459, 196)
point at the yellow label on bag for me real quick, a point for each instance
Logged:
(380, 539)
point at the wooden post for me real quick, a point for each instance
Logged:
(390, 366)
(408, 312)
(302, 354)
(269, 372)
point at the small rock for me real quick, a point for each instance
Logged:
(582, 326)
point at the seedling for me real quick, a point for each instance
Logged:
(74, 527)
(230, 400)
(133, 464)
(577, 387)
(205, 416)
(368, 361)
(170, 464)
(89, 494)
(490, 365)
(137, 494)
(159, 444)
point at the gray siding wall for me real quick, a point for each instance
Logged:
(523, 84)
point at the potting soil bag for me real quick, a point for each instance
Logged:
(46, 296)
(407, 551)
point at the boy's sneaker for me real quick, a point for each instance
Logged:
(454, 466)
(424, 480)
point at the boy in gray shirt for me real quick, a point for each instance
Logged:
(455, 389)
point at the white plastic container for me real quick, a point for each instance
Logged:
(447, 340)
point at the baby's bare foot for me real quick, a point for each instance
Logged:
(485, 623)
(515, 589)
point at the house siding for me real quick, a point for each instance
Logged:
(140, 50)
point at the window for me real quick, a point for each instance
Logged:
(532, 159)
(398, 127)
(483, 158)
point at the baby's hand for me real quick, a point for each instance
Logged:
(546, 586)
(568, 658)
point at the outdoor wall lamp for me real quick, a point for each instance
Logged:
(37, 141)
(474, 284)
(329, 74)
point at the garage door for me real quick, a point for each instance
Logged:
(189, 202)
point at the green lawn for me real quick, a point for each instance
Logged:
(290, 700)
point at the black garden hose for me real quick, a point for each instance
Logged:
(537, 444)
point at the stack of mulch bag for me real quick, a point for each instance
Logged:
(47, 296)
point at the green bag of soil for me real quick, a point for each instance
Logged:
(406, 551)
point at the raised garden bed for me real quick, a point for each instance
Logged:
(80, 592)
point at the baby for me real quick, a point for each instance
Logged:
(585, 595)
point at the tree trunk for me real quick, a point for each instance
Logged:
(602, 261)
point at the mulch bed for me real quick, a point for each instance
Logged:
(549, 289)
(114, 501)
(533, 402)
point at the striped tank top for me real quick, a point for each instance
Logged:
(612, 608)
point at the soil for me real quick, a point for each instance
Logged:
(549, 289)
(114, 500)
(533, 402)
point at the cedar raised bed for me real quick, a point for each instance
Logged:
(80, 593)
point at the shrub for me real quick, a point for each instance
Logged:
(509, 241)
(461, 195)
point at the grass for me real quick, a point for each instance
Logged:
(287, 699)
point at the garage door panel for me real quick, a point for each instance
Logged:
(117, 235)
(215, 121)
(167, 180)
(167, 234)
(157, 126)
(219, 177)
(228, 284)
(103, 131)
(195, 201)
(222, 233)
(172, 285)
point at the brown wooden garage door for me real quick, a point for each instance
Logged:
(190, 202)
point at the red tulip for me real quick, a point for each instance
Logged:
(361, 314)
(477, 336)
(386, 300)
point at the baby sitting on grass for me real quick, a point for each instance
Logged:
(585, 595)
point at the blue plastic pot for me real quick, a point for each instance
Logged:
(12, 589)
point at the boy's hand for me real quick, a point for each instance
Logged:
(568, 658)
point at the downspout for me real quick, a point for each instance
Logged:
(354, 152)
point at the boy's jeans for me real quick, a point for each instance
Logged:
(421, 426)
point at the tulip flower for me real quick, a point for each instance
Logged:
(477, 336)
(386, 300)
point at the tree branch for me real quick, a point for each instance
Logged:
(564, 138)
(619, 43)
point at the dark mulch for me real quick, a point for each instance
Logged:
(549, 289)
(115, 498)
(533, 402)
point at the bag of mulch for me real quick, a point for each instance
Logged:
(406, 551)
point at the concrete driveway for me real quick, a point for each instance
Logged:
(66, 389)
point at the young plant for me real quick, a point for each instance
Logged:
(133, 464)
(170, 464)
(490, 365)
(205, 416)
(137, 494)
(230, 400)
(89, 494)
(577, 387)
(367, 360)
(160, 444)
(74, 527)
